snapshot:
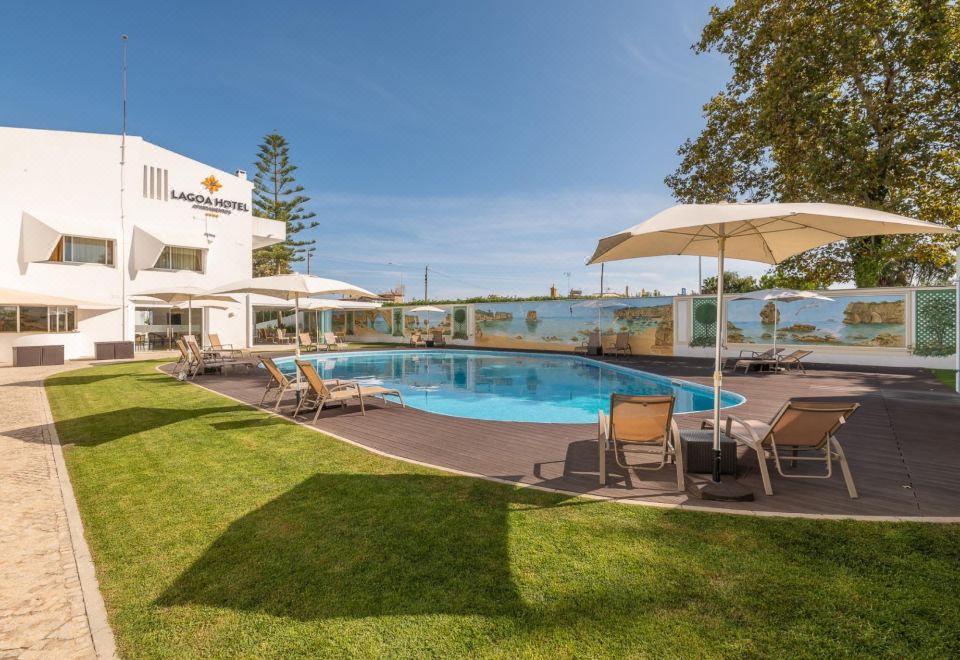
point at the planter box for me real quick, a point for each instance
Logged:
(113, 350)
(35, 356)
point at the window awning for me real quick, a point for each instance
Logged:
(28, 298)
(149, 243)
(40, 233)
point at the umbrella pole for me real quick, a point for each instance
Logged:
(296, 326)
(776, 322)
(717, 362)
(190, 317)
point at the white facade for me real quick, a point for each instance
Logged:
(55, 184)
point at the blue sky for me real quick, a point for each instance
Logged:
(494, 141)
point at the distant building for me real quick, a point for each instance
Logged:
(392, 296)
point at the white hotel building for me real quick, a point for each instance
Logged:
(69, 232)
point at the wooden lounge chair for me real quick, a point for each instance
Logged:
(185, 361)
(280, 384)
(203, 361)
(798, 427)
(760, 359)
(640, 425)
(622, 344)
(792, 361)
(592, 345)
(333, 342)
(306, 343)
(318, 393)
(225, 351)
(438, 339)
(416, 339)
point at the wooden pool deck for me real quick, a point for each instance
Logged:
(902, 445)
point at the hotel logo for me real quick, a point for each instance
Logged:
(210, 203)
(211, 184)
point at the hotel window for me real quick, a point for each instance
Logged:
(33, 319)
(8, 318)
(78, 250)
(62, 319)
(180, 258)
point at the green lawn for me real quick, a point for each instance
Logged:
(219, 530)
(945, 376)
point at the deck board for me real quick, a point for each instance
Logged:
(902, 443)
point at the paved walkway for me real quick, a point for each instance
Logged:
(43, 572)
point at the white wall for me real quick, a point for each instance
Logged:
(56, 175)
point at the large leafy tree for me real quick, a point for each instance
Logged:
(732, 283)
(276, 195)
(854, 102)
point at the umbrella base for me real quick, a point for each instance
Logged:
(727, 490)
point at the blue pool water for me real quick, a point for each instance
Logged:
(514, 387)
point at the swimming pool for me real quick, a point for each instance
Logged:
(506, 386)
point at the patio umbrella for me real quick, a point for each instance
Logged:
(768, 233)
(185, 294)
(293, 286)
(427, 309)
(780, 295)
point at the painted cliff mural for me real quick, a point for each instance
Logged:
(562, 325)
(877, 321)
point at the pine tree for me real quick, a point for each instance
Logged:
(276, 196)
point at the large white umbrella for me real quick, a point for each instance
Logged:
(768, 233)
(293, 286)
(781, 295)
(178, 295)
(427, 309)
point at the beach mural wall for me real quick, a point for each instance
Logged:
(562, 325)
(864, 320)
(372, 324)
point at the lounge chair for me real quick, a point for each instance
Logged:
(280, 384)
(438, 339)
(225, 351)
(416, 339)
(799, 426)
(203, 361)
(319, 393)
(306, 343)
(185, 361)
(622, 344)
(760, 359)
(792, 361)
(333, 342)
(640, 425)
(592, 345)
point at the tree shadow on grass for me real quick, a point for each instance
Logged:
(98, 428)
(358, 545)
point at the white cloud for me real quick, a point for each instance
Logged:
(475, 245)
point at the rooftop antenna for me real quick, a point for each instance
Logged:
(123, 161)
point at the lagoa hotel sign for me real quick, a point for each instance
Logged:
(208, 202)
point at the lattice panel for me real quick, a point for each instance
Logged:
(936, 316)
(704, 322)
(460, 322)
